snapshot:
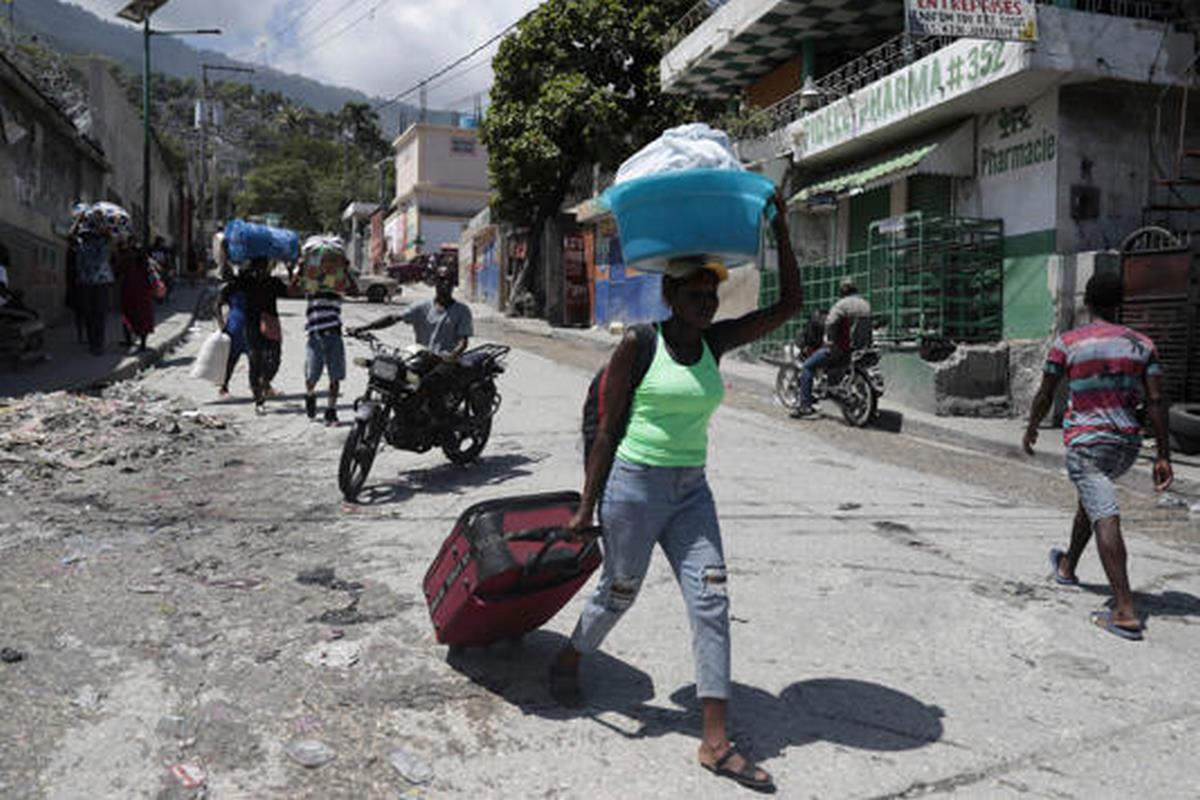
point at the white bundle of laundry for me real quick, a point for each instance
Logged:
(692, 146)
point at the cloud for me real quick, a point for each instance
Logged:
(380, 47)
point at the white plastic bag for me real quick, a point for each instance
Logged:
(694, 146)
(210, 361)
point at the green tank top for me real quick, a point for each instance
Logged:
(668, 419)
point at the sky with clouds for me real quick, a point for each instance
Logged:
(377, 46)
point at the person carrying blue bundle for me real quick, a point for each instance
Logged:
(650, 464)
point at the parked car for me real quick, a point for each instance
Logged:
(409, 271)
(376, 288)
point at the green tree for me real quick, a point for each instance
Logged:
(576, 84)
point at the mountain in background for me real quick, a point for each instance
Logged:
(71, 29)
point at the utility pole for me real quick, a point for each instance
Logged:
(139, 11)
(12, 27)
(204, 117)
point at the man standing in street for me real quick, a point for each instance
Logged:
(442, 324)
(847, 322)
(1110, 369)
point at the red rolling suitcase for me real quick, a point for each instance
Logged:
(507, 568)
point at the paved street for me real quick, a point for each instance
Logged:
(895, 630)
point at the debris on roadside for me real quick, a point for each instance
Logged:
(190, 776)
(325, 576)
(10, 655)
(338, 653)
(42, 435)
(248, 582)
(411, 766)
(309, 753)
(88, 698)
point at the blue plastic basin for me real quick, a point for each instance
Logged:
(713, 212)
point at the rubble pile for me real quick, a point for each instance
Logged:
(42, 435)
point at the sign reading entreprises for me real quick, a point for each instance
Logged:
(978, 19)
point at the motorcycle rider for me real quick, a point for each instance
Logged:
(442, 324)
(844, 327)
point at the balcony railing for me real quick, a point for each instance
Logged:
(694, 17)
(897, 53)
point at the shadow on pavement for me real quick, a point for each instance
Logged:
(519, 673)
(450, 478)
(888, 421)
(1163, 604)
(842, 711)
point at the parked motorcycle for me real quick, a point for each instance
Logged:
(22, 332)
(855, 384)
(415, 402)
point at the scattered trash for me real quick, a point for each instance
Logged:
(88, 698)
(309, 752)
(236, 583)
(306, 724)
(10, 655)
(1171, 500)
(325, 576)
(1194, 508)
(190, 776)
(175, 726)
(340, 653)
(267, 655)
(126, 424)
(148, 588)
(411, 766)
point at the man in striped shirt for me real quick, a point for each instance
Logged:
(1109, 369)
(324, 350)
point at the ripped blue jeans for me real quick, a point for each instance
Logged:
(673, 507)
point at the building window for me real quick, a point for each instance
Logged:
(463, 146)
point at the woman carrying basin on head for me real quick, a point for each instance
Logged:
(655, 490)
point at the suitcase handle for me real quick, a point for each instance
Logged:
(558, 534)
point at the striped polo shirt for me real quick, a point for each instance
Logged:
(1105, 365)
(324, 313)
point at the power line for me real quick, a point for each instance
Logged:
(369, 12)
(296, 19)
(275, 36)
(424, 82)
(457, 77)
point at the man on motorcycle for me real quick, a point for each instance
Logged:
(442, 324)
(844, 328)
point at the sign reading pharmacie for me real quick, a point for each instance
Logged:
(953, 71)
(979, 19)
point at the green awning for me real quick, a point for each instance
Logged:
(867, 178)
(951, 153)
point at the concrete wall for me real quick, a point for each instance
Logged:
(453, 158)
(117, 126)
(1117, 160)
(439, 230)
(44, 169)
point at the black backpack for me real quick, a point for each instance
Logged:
(593, 405)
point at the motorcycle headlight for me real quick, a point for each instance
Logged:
(385, 370)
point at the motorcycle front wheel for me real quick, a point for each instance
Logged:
(860, 402)
(358, 454)
(787, 386)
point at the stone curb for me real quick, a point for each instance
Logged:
(154, 354)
